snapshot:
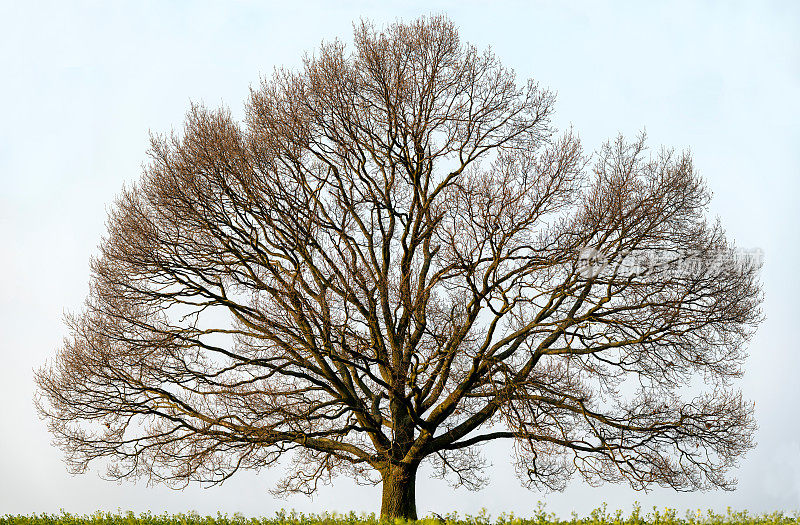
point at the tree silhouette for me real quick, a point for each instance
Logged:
(397, 258)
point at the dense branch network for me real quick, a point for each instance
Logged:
(385, 264)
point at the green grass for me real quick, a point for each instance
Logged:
(540, 517)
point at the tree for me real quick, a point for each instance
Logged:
(397, 258)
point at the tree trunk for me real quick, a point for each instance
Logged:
(399, 497)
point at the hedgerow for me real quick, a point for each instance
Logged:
(600, 516)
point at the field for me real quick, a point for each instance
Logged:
(540, 517)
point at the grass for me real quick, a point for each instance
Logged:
(540, 517)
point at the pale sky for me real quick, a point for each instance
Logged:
(83, 82)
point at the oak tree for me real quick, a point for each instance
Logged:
(396, 258)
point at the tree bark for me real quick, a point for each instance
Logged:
(399, 496)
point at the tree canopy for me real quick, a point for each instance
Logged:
(396, 258)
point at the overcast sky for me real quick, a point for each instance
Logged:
(84, 82)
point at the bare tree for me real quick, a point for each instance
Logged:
(396, 258)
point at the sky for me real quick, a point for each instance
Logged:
(83, 83)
